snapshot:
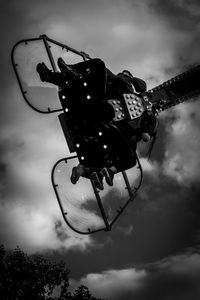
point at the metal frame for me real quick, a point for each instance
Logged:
(132, 193)
(108, 226)
(46, 41)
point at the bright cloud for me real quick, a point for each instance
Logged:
(34, 229)
(29, 209)
(114, 283)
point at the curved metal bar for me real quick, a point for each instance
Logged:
(60, 204)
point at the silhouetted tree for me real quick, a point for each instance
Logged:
(82, 293)
(25, 277)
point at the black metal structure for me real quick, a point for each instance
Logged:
(101, 214)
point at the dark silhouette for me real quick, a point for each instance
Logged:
(25, 277)
(90, 116)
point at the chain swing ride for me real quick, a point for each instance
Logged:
(86, 207)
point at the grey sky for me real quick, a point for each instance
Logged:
(155, 244)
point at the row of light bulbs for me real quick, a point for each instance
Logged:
(100, 133)
(64, 97)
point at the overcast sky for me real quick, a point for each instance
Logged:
(153, 250)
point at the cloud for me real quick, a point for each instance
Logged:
(123, 33)
(174, 278)
(126, 230)
(183, 18)
(180, 14)
(29, 146)
(182, 144)
(114, 284)
(149, 166)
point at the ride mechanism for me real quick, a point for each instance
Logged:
(85, 208)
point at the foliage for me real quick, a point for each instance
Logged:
(24, 277)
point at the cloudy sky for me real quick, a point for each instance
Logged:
(153, 250)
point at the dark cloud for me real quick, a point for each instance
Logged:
(3, 172)
(174, 278)
(3, 168)
(60, 231)
(164, 220)
(183, 15)
(13, 20)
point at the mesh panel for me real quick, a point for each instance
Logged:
(79, 202)
(41, 95)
